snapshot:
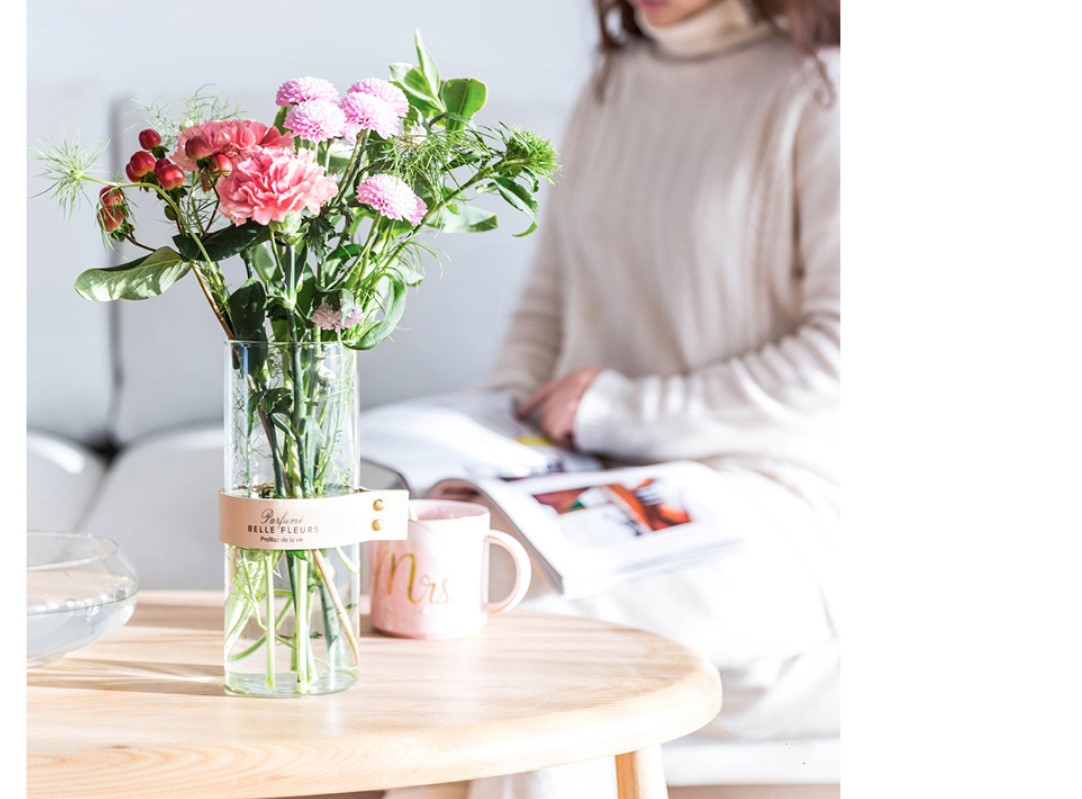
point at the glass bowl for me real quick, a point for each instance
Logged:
(78, 588)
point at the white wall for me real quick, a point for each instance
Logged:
(520, 48)
(534, 57)
(69, 369)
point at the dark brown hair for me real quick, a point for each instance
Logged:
(809, 24)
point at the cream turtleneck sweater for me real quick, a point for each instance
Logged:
(691, 248)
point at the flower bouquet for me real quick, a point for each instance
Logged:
(304, 236)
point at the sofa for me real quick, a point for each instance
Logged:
(124, 400)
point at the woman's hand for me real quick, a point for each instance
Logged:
(555, 404)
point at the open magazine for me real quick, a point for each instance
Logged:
(588, 526)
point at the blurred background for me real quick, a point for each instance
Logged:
(86, 63)
(125, 399)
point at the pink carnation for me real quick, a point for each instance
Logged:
(237, 138)
(371, 113)
(269, 185)
(316, 120)
(388, 92)
(298, 91)
(392, 198)
(329, 319)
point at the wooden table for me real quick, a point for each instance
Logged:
(142, 712)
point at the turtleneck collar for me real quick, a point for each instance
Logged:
(722, 26)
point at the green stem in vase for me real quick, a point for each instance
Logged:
(262, 639)
(330, 628)
(281, 489)
(271, 619)
(301, 636)
(327, 574)
(297, 377)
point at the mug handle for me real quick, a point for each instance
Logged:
(522, 572)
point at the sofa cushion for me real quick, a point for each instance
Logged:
(62, 481)
(159, 502)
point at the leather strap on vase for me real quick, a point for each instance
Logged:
(316, 523)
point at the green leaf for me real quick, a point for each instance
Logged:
(279, 323)
(519, 197)
(463, 97)
(221, 244)
(248, 311)
(410, 276)
(346, 251)
(305, 296)
(278, 400)
(413, 118)
(346, 302)
(426, 64)
(392, 314)
(330, 618)
(254, 400)
(420, 94)
(319, 231)
(140, 279)
(398, 71)
(312, 438)
(338, 161)
(280, 119)
(187, 247)
(265, 266)
(464, 220)
(281, 421)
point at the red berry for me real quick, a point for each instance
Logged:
(149, 139)
(110, 219)
(110, 196)
(162, 163)
(221, 165)
(131, 175)
(197, 148)
(141, 163)
(172, 177)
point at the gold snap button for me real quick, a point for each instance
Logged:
(376, 525)
(377, 505)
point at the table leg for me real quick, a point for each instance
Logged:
(640, 775)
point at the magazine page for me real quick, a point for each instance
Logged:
(470, 435)
(593, 529)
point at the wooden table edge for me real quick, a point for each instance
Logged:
(633, 748)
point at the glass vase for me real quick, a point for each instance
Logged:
(291, 430)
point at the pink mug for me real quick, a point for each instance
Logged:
(435, 583)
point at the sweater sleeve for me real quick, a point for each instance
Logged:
(532, 345)
(749, 404)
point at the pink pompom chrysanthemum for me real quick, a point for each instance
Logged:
(392, 197)
(272, 184)
(350, 131)
(368, 112)
(388, 92)
(316, 120)
(237, 138)
(297, 91)
(328, 318)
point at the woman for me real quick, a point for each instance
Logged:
(685, 304)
